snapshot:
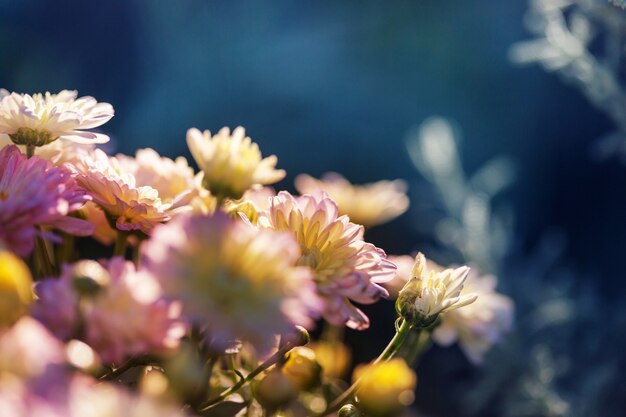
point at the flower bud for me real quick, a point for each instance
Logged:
(302, 369)
(274, 390)
(386, 387)
(348, 410)
(16, 292)
(429, 293)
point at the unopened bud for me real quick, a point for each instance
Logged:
(302, 369)
(275, 390)
(349, 410)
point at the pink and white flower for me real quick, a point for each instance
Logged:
(346, 267)
(35, 194)
(233, 280)
(124, 315)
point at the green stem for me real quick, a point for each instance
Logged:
(30, 150)
(388, 353)
(120, 243)
(43, 259)
(269, 362)
(129, 364)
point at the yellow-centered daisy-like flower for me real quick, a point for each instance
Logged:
(130, 206)
(231, 163)
(386, 388)
(42, 118)
(346, 267)
(233, 280)
(429, 293)
(367, 204)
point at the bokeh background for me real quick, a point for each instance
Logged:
(343, 86)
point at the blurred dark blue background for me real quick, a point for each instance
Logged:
(337, 86)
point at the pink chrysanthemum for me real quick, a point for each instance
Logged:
(35, 193)
(235, 281)
(116, 191)
(121, 310)
(346, 268)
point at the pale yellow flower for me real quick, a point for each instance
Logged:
(480, 325)
(368, 204)
(431, 292)
(386, 388)
(233, 280)
(346, 267)
(129, 205)
(42, 118)
(16, 292)
(231, 163)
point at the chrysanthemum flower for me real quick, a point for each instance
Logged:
(346, 268)
(235, 281)
(121, 311)
(35, 193)
(128, 204)
(480, 325)
(231, 163)
(173, 179)
(430, 292)
(42, 118)
(368, 204)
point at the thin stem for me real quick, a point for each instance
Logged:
(120, 243)
(43, 259)
(115, 372)
(30, 150)
(388, 353)
(269, 362)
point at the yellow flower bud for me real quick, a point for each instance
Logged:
(274, 390)
(386, 387)
(16, 288)
(302, 369)
(333, 357)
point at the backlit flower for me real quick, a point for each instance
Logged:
(430, 292)
(34, 193)
(235, 281)
(173, 179)
(346, 268)
(386, 388)
(129, 205)
(368, 204)
(479, 325)
(121, 310)
(231, 163)
(42, 118)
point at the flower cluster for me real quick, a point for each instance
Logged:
(203, 303)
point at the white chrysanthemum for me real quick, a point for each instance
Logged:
(430, 292)
(173, 179)
(479, 325)
(231, 163)
(42, 118)
(367, 204)
(129, 205)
